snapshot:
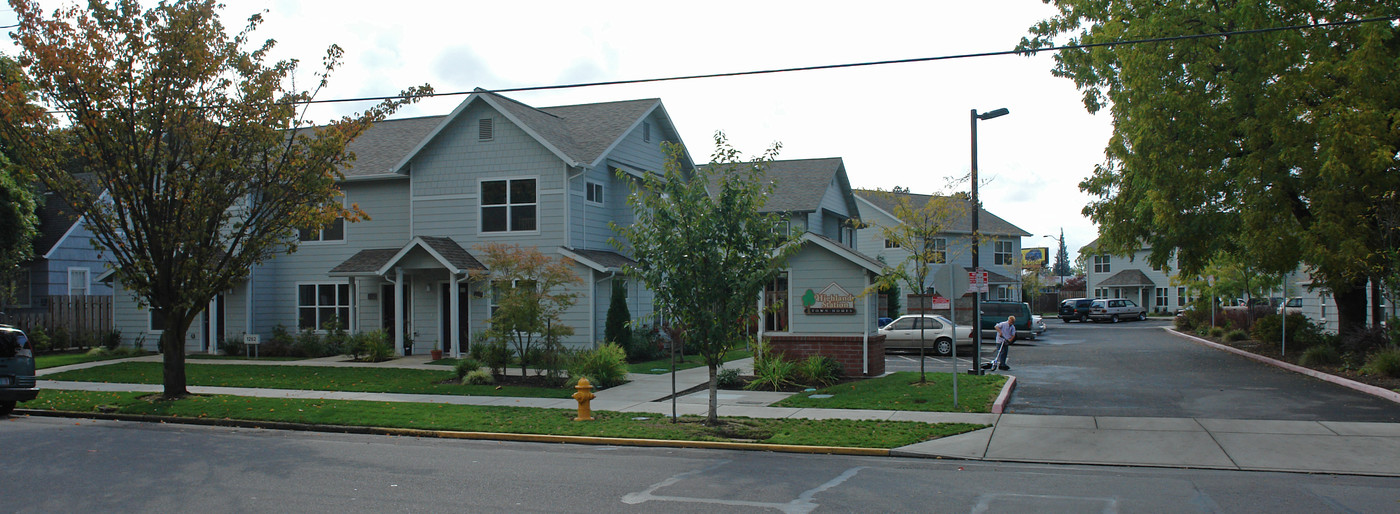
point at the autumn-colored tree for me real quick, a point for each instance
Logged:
(209, 163)
(1279, 147)
(707, 254)
(921, 233)
(530, 294)
(19, 216)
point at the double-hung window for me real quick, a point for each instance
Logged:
(1002, 252)
(78, 284)
(509, 205)
(1101, 264)
(938, 247)
(333, 231)
(1161, 297)
(320, 304)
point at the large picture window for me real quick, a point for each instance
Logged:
(319, 304)
(509, 205)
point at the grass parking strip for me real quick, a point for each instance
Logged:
(309, 378)
(511, 420)
(900, 391)
(663, 365)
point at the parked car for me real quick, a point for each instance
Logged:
(1292, 306)
(994, 312)
(1116, 309)
(1075, 308)
(1037, 325)
(17, 382)
(903, 333)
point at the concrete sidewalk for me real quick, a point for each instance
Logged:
(1256, 445)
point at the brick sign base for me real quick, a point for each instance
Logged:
(847, 350)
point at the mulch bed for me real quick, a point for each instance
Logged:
(1273, 351)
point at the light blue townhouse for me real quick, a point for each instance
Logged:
(437, 189)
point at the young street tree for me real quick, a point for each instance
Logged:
(209, 163)
(918, 233)
(707, 256)
(531, 294)
(1281, 144)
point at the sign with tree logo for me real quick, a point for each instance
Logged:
(834, 299)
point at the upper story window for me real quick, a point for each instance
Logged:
(1002, 252)
(78, 284)
(939, 246)
(333, 231)
(1101, 264)
(486, 129)
(594, 192)
(320, 304)
(509, 205)
(890, 243)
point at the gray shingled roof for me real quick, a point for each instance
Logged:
(1127, 278)
(988, 223)
(381, 147)
(366, 261)
(453, 252)
(55, 217)
(604, 258)
(801, 183)
(856, 253)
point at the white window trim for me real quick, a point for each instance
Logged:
(298, 306)
(1003, 258)
(321, 232)
(87, 280)
(588, 186)
(480, 220)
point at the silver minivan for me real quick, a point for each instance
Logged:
(17, 382)
(1116, 309)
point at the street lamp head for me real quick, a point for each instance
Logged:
(994, 114)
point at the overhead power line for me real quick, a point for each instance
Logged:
(882, 63)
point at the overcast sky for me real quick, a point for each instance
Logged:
(895, 125)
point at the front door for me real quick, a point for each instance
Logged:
(445, 316)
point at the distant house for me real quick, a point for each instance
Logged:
(65, 264)
(1132, 277)
(999, 253)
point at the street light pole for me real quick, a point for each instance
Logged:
(977, 242)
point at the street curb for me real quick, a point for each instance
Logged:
(1000, 403)
(450, 434)
(1344, 382)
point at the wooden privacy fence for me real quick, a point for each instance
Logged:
(83, 318)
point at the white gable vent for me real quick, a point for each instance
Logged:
(486, 129)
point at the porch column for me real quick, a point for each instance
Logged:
(350, 326)
(213, 327)
(454, 315)
(398, 311)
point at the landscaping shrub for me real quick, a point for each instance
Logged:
(479, 377)
(642, 345)
(1392, 326)
(1184, 323)
(1385, 362)
(1320, 355)
(534, 356)
(111, 339)
(336, 340)
(1268, 328)
(61, 340)
(40, 340)
(1217, 331)
(378, 351)
(616, 329)
(1236, 335)
(100, 351)
(819, 370)
(1364, 341)
(467, 365)
(605, 366)
(497, 355)
(308, 344)
(772, 371)
(232, 346)
(372, 346)
(279, 345)
(728, 378)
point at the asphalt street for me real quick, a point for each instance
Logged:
(67, 465)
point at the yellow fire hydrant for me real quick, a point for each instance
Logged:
(584, 395)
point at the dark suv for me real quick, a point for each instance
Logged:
(1075, 308)
(16, 369)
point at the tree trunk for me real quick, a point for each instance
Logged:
(1351, 308)
(713, 418)
(172, 344)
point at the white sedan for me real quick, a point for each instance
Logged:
(1037, 325)
(937, 333)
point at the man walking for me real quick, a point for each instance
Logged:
(1006, 333)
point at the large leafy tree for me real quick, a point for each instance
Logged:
(707, 254)
(920, 233)
(1277, 146)
(19, 215)
(209, 163)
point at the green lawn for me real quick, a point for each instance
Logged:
(899, 391)
(314, 378)
(207, 357)
(64, 359)
(663, 365)
(520, 420)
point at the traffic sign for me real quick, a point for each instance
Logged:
(977, 281)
